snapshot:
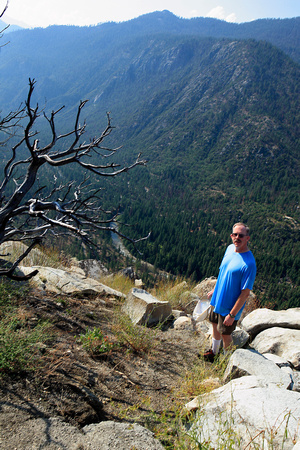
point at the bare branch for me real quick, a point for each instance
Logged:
(10, 271)
(93, 169)
(30, 211)
(7, 26)
(5, 8)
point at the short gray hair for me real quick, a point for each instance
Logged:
(241, 224)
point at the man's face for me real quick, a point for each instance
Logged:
(240, 238)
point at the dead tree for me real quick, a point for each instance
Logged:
(29, 211)
(7, 26)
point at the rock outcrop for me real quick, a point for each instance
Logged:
(249, 413)
(275, 332)
(259, 406)
(283, 342)
(93, 268)
(144, 309)
(264, 318)
(245, 362)
(61, 281)
(204, 287)
(119, 436)
(54, 433)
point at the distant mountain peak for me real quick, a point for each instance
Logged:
(9, 28)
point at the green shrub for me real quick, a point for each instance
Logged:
(140, 339)
(95, 342)
(9, 294)
(19, 345)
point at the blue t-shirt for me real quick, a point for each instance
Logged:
(237, 272)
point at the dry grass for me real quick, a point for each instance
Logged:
(39, 256)
(136, 338)
(173, 291)
(118, 282)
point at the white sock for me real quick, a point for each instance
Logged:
(216, 345)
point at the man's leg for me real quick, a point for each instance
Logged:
(215, 334)
(216, 339)
(226, 332)
(216, 343)
(227, 340)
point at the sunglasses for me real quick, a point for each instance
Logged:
(239, 235)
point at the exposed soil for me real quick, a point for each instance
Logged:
(81, 389)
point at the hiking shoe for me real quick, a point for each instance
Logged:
(209, 356)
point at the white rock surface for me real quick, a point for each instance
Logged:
(92, 268)
(261, 319)
(143, 308)
(283, 342)
(119, 436)
(247, 410)
(204, 287)
(248, 362)
(61, 281)
(240, 337)
(184, 323)
(55, 434)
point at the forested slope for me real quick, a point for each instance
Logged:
(216, 117)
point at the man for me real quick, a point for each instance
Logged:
(236, 277)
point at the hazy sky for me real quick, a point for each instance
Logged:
(41, 13)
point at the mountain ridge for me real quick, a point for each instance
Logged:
(261, 29)
(217, 118)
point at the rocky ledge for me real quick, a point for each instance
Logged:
(258, 405)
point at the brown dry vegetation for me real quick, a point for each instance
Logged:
(147, 376)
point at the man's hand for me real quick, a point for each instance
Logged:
(238, 305)
(228, 321)
(210, 293)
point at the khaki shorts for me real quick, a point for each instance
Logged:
(217, 318)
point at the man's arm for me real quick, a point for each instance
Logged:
(237, 306)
